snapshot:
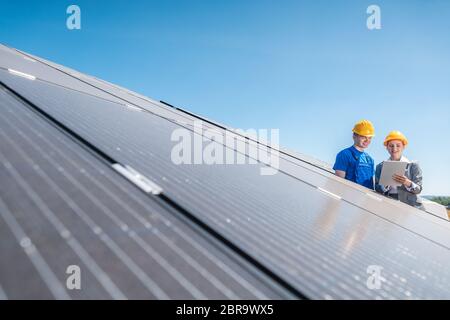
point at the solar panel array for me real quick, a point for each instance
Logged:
(61, 206)
(301, 232)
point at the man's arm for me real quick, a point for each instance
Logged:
(340, 173)
(340, 165)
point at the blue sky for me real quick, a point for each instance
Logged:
(310, 68)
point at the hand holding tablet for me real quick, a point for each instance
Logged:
(391, 169)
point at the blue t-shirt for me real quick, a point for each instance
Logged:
(358, 166)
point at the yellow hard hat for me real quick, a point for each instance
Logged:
(395, 135)
(364, 128)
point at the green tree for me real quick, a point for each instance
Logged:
(445, 201)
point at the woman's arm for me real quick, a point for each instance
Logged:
(416, 178)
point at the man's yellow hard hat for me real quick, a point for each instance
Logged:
(364, 128)
(395, 135)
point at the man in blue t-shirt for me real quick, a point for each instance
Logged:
(353, 163)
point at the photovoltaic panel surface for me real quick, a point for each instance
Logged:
(314, 240)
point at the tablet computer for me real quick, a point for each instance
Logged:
(389, 169)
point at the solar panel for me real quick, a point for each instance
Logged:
(294, 223)
(60, 205)
(109, 91)
(12, 59)
(121, 95)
